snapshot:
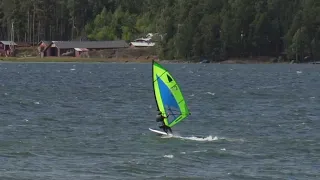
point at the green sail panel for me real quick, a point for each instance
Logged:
(168, 95)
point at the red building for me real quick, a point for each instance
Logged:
(7, 48)
(43, 45)
(80, 51)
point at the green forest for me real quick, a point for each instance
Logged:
(212, 29)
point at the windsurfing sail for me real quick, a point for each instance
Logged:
(168, 95)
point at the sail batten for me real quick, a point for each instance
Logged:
(168, 95)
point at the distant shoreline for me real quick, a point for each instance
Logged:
(129, 60)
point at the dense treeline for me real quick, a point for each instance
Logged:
(214, 29)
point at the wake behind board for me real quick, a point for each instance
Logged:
(158, 132)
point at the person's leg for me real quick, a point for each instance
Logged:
(163, 128)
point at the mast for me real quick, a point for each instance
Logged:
(153, 81)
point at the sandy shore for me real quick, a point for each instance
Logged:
(118, 60)
(74, 59)
(67, 59)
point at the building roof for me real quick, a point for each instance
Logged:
(90, 44)
(8, 42)
(81, 49)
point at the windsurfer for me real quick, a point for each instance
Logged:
(160, 118)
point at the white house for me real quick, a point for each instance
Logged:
(143, 42)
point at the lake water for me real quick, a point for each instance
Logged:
(87, 121)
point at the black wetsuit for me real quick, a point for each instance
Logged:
(165, 128)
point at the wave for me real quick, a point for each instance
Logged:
(168, 156)
(208, 138)
(21, 154)
(193, 138)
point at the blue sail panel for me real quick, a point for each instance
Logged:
(170, 103)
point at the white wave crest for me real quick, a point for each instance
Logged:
(168, 156)
(194, 138)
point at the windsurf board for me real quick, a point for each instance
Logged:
(158, 132)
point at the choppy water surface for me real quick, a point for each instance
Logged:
(90, 121)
